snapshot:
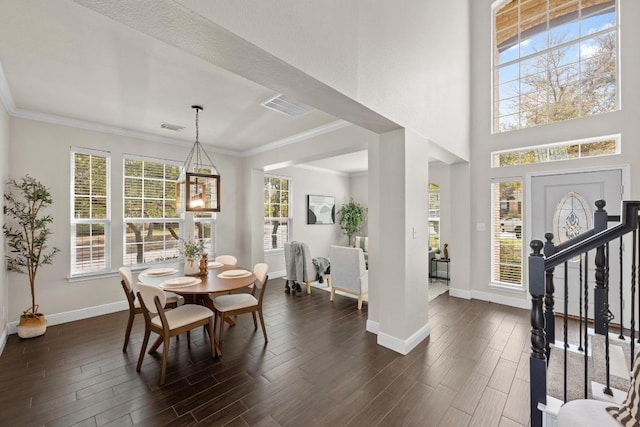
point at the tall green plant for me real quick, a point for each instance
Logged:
(351, 218)
(27, 229)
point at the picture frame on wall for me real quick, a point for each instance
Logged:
(321, 209)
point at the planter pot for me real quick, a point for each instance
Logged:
(438, 256)
(191, 266)
(32, 325)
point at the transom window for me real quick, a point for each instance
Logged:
(277, 212)
(553, 60)
(90, 211)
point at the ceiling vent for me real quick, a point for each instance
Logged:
(176, 128)
(290, 107)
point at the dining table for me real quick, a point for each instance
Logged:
(219, 279)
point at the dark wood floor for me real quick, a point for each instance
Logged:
(320, 368)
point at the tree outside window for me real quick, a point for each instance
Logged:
(277, 218)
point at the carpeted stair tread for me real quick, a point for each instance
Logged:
(620, 360)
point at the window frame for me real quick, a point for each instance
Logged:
(288, 220)
(433, 191)
(496, 229)
(496, 66)
(74, 272)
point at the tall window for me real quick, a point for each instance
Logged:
(277, 218)
(90, 213)
(152, 224)
(553, 60)
(506, 258)
(434, 216)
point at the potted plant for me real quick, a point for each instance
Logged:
(27, 230)
(190, 250)
(351, 218)
(438, 253)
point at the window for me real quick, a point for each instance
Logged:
(553, 60)
(153, 227)
(592, 147)
(434, 216)
(90, 213)
(277, 220)
(506, 260)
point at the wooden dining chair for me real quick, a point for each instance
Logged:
(232, 305)
(169, 323)
(227, 259)
(126, 280)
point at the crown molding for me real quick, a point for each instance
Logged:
(5, 93)
(319, 169)
(329, 127)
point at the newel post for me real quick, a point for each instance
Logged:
(538, 359)
(600, 294)
(550, 323)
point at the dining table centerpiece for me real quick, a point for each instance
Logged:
(192, 250)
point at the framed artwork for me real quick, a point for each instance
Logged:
(321, 209)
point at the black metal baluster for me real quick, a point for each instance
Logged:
(586, 329)
(580, 348)
(566, 324)
(634, 255)
(621, 336)
(608, 316)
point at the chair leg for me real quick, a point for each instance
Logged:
(255, 324)
(360, 302)
(212, 338)
(188, 339)
(308, 288)
(333, 292)
(155, 345)
(165, 356)
(221, 333)
(143, 350)
(264, 329)
(128, 333)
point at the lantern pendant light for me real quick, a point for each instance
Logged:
(198, 187)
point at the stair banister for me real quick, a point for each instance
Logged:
(538, 358)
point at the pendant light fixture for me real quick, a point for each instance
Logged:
(198, 187)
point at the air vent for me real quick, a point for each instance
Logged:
(176, 128)
(290, 107)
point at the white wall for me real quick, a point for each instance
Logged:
(42, 150)
(480, 173)
(4, 176)
(318, 236)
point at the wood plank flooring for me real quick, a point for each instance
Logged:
(320, 368)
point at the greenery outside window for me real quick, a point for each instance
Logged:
(153, 227)
(434, 216)
(553, 61)
(507, 221)
(90, 211)
(277, 211)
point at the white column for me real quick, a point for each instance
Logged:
(398, 244)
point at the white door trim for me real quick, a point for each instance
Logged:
(625, 170)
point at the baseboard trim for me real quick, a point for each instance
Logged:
(277, 274)
(489, 297)
(83, 313)
(373, 327)
(404, 346)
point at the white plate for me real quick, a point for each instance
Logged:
(166, 271)
(230, 274)
(215, 264)
(180, 282)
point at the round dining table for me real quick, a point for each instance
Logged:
(210, 284)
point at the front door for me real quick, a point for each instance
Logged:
(563, 204)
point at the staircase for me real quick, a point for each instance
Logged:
(594, 363)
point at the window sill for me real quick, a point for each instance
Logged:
(516, 289)
(91, 276)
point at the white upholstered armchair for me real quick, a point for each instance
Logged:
(348, 272)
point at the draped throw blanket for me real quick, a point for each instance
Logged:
(322, 266)
(298, 260)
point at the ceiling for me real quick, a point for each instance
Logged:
(62, 59)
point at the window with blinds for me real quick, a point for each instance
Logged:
(153, 227)
(434, 216)
(90, 211)
(506, 259)
(553, 60)
(277, 212)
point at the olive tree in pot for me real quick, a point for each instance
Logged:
(27, 230)
(351, 218)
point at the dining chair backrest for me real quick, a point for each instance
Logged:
(227, 259)
(148, 293)
(260, 270)
(126, 277)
